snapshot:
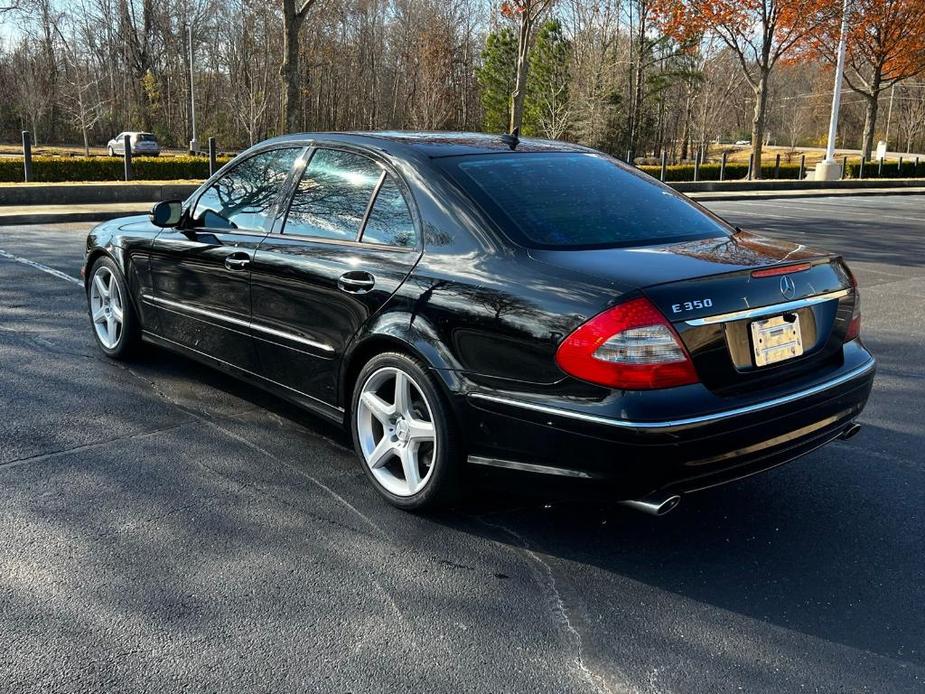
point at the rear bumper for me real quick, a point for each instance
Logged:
(680, 453)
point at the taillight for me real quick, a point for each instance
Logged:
(854, 326)
(630, 346)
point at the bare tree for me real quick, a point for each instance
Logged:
(526, 13)
(81, 100)
(294, 16)
(911, 99)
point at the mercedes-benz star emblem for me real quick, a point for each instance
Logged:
(787, 287)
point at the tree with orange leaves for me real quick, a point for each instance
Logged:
(758, 32)
(525, 13)
(885, 45)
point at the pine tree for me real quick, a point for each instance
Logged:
(547, 112)
(496, 78)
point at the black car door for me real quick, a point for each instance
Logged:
(200, 271)
(347, 243)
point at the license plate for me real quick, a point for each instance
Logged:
(776, 339)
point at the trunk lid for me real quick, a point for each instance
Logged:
(708, 291)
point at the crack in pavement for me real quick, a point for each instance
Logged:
(88, 446)
(547, 581)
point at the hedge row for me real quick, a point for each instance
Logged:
(710, 172)
(891, 169)
(61, 169)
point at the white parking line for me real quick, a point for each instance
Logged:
(39, 266)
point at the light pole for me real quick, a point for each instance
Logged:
(193, 145)
(889, 117)
(829, 169)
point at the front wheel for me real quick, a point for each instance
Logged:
(404, 434)
(115, 325)
(112, 152)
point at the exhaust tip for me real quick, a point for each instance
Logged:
(851, 431)
(654, 505)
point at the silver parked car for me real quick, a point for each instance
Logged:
(142, 144)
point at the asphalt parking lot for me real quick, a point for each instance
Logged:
(165, 528)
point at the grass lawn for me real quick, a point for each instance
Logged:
(15, 149)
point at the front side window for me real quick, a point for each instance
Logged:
(333, 195)
(243, 197)
(577, 200)
(389, 220)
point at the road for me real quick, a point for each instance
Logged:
(167, 528)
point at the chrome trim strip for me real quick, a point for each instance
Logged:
(192, 309)
(768, 310)
(526, 467)
(668, 424)
(290, 336)
(236, 321)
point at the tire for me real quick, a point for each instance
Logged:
(112, 152)
(390, 438)
(108, 299)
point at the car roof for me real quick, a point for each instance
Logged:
(432, 144)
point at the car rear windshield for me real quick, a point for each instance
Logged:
(145, 137)
(577, 200)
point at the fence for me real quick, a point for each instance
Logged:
(723, 170)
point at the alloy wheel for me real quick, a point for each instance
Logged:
(106, 307)
(396, 431)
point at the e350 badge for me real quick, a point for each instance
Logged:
(692, 305)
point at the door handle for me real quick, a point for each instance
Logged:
(356, 282)
(237, 261)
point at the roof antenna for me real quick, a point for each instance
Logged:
(512, 139)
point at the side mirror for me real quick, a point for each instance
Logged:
(167, 213)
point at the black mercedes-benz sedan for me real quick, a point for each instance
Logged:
(467, 300)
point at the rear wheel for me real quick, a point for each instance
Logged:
(403, 433)
(115, 325)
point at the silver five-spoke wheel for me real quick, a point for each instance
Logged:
(396, 431)
(106, 307)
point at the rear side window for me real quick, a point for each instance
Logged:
(333, 195)
(576, 200)
(390, 220)
(243, 197)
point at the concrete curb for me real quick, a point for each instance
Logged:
(99, 211)
(60, 217)
(797, 194)
(793, 185)
(97, 193)
(54, 214)
(151, 192)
